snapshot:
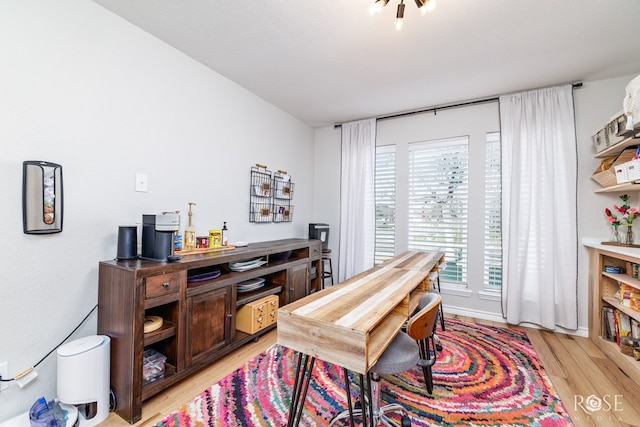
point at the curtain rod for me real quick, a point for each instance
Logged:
(444, 107)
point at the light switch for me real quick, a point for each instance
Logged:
(141, 182)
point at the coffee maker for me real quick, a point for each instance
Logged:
(157, 236)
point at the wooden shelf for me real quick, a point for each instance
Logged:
(168, 329)
(617, 148)
(623, 278)
(626, 310)
(247, 297)
(627, 186)
(626, 363)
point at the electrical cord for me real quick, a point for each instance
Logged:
(56, 347)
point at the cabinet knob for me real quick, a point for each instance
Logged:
(229, 315)
(165, 285)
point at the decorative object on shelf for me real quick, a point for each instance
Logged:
(628, 214)
(605, 175)
(225, 234)
(189, 237)
(152, 323)
(615, 233)
(612, 269)
(41, 197)
(423, 5)
(215, 238)
(628, 236)
(631, 104)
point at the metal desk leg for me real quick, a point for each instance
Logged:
(441, 310)
(304, 369)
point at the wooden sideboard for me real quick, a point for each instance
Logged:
(198, 316)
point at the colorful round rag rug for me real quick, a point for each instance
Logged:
(484, 376)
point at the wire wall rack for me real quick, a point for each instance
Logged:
(270, 195)
(282, 195)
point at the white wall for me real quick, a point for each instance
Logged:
(595, 103)
(81, 87)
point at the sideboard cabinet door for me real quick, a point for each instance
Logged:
(209, 322)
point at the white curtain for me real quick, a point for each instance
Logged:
(539, 237)
(357, 198)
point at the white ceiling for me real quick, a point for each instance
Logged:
(330, 61)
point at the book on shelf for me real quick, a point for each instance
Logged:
(624, 324)
(635, 328)
(616, 324)
(608, 324)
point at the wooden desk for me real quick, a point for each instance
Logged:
(352, 323)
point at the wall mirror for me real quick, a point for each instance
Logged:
(41, 197)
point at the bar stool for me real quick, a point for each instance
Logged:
(327, 273)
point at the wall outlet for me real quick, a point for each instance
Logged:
(4, 373)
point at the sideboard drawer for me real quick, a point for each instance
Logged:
(256, 315)
(158, 286)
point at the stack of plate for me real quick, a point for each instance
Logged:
(250, 285)
(246, 265)
(209, 275)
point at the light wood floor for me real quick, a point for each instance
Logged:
(579, 371)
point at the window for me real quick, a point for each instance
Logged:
(493, 214)
(438, 202)
(385, 183)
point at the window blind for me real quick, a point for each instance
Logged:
(385, 183)
(438, 202)
(493, 214)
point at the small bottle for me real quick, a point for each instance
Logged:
(225, 235)
(177, 242)
(190, 232)
(177, 239)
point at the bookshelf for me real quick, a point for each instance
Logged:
(604, 288)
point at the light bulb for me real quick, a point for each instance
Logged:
(377, 6)
(400, 15)
(430, 5)
(422, 6)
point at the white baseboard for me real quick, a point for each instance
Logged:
(493, 317)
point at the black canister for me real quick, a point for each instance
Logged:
(127, 242)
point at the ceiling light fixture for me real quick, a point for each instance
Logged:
(423, 5)
(400, 15)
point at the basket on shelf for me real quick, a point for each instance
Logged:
(605, 175)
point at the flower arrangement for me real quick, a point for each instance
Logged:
(613, 219)
(627, 215)
(627, 212)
